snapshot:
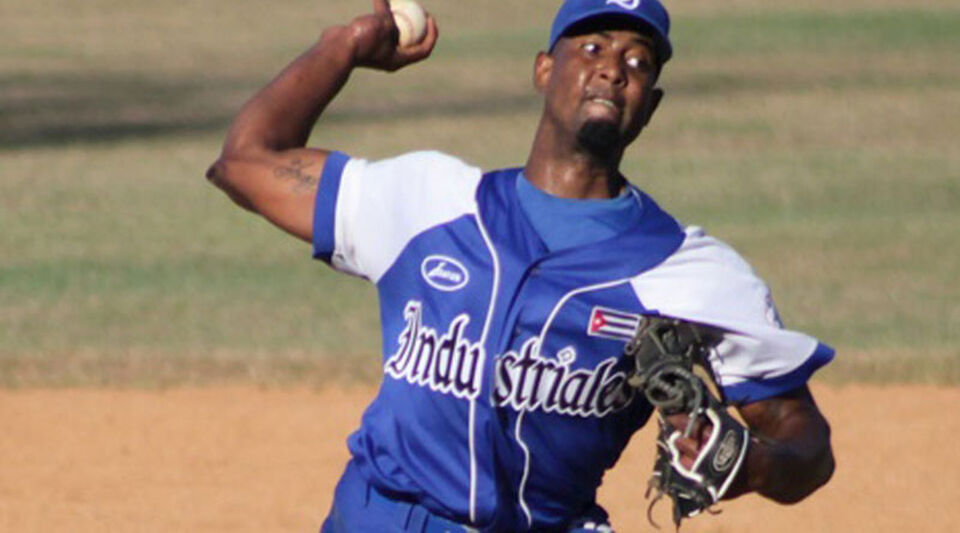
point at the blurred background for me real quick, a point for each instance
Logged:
(819, 137)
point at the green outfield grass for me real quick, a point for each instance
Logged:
(820, 138)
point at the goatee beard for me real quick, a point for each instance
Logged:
(599, 137)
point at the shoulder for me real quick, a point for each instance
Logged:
(431, 183)
(701, 250)
(702, 258)
(706, 280)
(383, 205)
(429, 166)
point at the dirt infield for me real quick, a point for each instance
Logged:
(246, 459)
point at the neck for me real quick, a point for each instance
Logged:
(561, 166)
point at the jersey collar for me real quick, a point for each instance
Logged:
(641, 247)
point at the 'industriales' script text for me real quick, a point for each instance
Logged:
(450, 363)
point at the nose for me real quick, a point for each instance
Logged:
(611, 69)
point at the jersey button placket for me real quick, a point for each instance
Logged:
(533, 273)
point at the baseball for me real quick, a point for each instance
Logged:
(411, 20)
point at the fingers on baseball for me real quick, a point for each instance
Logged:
(424, 48)
(382, 19)
(381, 7)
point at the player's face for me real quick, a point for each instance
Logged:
(601, 81)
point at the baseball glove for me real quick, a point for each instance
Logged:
(666, 352)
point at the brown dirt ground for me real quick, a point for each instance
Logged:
(248, 459)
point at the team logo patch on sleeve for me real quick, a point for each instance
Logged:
(444, 273)
(612, 324)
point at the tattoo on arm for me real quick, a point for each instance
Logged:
(298, 172)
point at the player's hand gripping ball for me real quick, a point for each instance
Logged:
(411, 21)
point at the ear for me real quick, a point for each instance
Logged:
(542, 69)
(656, 95)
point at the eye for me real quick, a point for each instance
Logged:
(639, 63)
(590, 47)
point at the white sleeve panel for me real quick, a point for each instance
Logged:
(382, 205)
(706, 281)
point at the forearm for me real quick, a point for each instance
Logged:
(282, 114)
(790, 454)
(264, 166)
(787, 471)
(280, 117)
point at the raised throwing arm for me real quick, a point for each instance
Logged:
(264, 165)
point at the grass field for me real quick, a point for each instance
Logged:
(820, 138)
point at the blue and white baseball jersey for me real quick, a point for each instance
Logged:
(504, 398)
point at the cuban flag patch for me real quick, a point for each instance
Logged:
(612, 324)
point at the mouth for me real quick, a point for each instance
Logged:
(611, 106)
(606, 102)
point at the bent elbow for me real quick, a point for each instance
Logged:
(216, 173)
(827, 466)
(220, 177)
(817, 475)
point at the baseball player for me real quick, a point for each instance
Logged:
(507, 297)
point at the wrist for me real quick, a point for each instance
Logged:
(754, 475)
(341, 42)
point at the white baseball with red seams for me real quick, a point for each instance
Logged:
(410, 19)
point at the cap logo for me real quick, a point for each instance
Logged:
(626, 4)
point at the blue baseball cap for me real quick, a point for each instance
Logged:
(649, 14)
